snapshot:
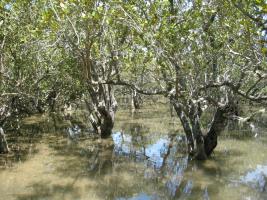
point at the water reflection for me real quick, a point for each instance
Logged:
(62, 160)
(154, 153)
(257, 178)
(74, 132)
(162, 156)
(141, 196)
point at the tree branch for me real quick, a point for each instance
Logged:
(124, 83)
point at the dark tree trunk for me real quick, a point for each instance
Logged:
(107, 122)
(200, 152)
(51, 100)
(3, 143)
(200, 145)
(218, 124)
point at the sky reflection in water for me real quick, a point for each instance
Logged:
(142, 165)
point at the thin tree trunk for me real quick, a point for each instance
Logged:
(135, 100)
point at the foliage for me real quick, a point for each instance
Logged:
(197, 53)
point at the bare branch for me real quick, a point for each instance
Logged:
(130, 85)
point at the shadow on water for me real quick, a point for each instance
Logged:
(63, 160)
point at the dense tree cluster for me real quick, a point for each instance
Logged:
(197, 53)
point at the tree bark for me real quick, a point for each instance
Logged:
(200, 152)
(102, 108)
(107, 122)
(186, 126)
(218, 124)
(200, 145)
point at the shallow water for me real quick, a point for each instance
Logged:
(144, 160)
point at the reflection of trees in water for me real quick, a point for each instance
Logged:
(172, 170)
(24, 134)
(168, 168)
(22, 144)
(101, 158)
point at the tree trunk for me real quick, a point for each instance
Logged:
(218, 124)
(135, 100)
(200, 152)
(200, 145)
(3, 143)
(194, 113)
(107, 122)
(186, 126)
(102, 108)
(51, 100)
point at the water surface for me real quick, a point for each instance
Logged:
(144, 160)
